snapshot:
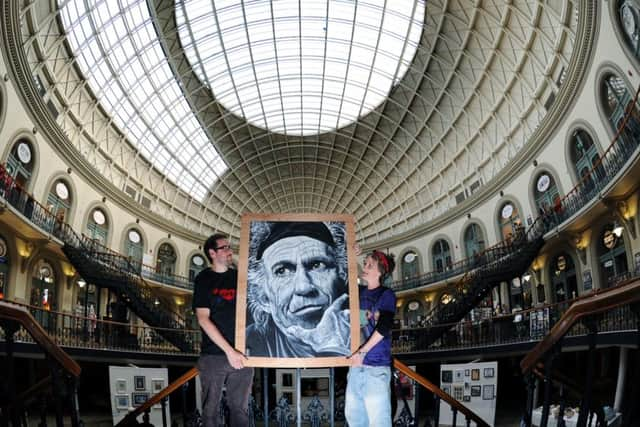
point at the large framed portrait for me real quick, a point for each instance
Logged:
(297, 290)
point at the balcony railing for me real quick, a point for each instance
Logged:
(44, 219)
(619, 153)
(68, 330)
(520, 327)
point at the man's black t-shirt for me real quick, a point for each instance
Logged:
(217, 292)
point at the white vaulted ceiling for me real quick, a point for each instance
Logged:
(392, 111)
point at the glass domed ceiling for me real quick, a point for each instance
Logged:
(119, 52)
(300, 67)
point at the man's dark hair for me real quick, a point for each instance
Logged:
(212, 243)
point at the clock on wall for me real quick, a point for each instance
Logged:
(24, 153)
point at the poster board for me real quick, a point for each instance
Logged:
(130, 387)
(297, 290)
(475, 385)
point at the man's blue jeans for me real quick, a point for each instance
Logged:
(368, 396)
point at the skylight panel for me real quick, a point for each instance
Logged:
(139, 96)
(250, 43)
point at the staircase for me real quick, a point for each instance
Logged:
(499, 264)
(103, 267)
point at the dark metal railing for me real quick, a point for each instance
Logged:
(60, 388)
(519, 327)
(622, 150)
(73, 331)
(46, 220)
(593, 315)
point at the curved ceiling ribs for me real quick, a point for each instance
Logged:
(473, 95)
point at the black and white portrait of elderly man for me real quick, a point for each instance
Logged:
(297, 290)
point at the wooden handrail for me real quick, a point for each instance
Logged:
(606, 300)
(130, 418)
(22, 316)
(438, 392)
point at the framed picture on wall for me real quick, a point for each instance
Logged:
(488, 372)
(121, 386)
(122, 401)
(447, 376)
(476, 390)
(279, 328)
(157, 384)
(139, 382)
(475, 375)
(138, 399)
(488, 392)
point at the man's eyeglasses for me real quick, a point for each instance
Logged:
(224, 247)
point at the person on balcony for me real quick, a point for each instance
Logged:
(214, 302)
(368, 395)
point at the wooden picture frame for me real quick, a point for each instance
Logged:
(314, 252)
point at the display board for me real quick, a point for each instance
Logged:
(475, 385)
(130, 387)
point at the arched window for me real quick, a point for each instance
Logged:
(617, 101)
(4, 268)
(612, 254)
(98, 226)
(166, 260)
(59, 201)
(441, 255)
(508, 220)
(547, 196)
(196, 264)
(473, 240)
(563, 277)
(409, 265)
(134, 246)
(585, 158)
(43, 292)
(20, 162)
(629, 15)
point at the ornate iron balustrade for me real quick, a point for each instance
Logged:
(73, 331)
(45, 220)
(520, 327)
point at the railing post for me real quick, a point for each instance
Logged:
(73, 401)
(548, 371)
(455, 416)
(10, 328)
(183, 391)
(58, 389)
(163, 404)
(592, 325)
(265, 395)
(530, 384)
(561, 422)
(332, 397)
(436, 412)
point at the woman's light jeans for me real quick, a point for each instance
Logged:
(368, 396)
